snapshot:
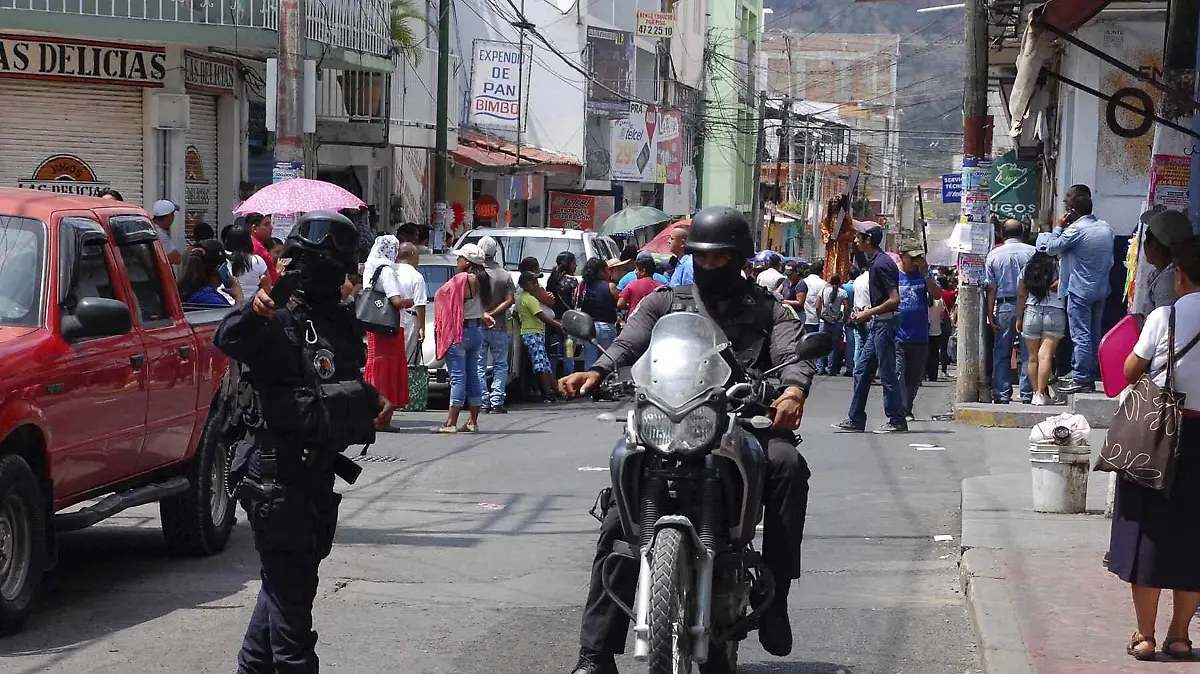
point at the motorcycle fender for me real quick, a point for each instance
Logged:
(625, 469)
(747, 454)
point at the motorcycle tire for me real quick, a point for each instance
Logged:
(721, 659)
(670, 596)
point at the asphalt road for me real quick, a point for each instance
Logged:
(469, 555)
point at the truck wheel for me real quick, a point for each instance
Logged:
(22, 541)
(199, 521)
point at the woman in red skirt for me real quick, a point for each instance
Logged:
(387, 361)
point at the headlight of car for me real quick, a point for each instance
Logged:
(697, 429)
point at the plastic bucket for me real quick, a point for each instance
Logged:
(1060, 476)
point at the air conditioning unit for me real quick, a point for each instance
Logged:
(170, 112)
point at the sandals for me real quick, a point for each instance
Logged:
(446, 429)
(1137, 640)
(1182, 654)
(470, 428)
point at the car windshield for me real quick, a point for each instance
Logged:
(544, 248)
(22, 257)
(435, 275)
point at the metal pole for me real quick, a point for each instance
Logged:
(289, 127)
(760, 145)
(970, 300)
(441, 155)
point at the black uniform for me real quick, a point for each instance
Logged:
(307, 403)
(762, 333)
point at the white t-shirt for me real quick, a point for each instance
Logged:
(1152, 346)
(249, 279)
(935, 317)
(815, 285)
(770, 278)
(862, 292)
(410, 284)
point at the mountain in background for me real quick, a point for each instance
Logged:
(929, 70)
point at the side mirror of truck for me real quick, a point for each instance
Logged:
(97, 317)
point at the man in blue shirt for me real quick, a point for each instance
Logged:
(1001, 272)
(917, 290)
(682, 276)
(1084, 246)
(632, 276)
(878, 351)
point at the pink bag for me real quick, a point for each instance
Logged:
(1115, 347)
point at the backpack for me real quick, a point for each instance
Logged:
(831, 309)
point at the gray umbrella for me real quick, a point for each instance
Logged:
(632, 219)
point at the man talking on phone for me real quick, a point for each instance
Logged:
(300, 402)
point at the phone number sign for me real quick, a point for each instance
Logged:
(655, 24)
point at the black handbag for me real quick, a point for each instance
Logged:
(375, 311)
(1142, 444)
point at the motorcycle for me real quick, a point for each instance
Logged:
(687, 482)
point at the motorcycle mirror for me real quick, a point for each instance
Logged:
(814, 345)
(578, 324)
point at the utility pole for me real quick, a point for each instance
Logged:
(289, 125)
(785, 142)
(970, 294)
(521, 24)
(760, 146)
(441, 159)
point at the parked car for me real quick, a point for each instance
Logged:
(437, 268)
(518, 243)
(106, 386)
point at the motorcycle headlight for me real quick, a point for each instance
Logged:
(698, 428)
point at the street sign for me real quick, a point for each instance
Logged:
(951, 188)
(656, 24)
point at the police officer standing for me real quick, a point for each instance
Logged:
(762, 334)
(301, 400)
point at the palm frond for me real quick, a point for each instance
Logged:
(405, 15)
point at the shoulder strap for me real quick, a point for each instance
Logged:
(1174, 357)
(375, 276)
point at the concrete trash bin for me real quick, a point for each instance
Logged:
(1060, 477)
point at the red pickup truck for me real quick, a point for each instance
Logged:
(105, 386)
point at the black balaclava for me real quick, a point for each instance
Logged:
(321, 275)
(722, 283)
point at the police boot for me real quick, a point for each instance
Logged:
(594, 662)
(774, 627)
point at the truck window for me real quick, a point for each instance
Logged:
(142, 268)
(22, 261)
(93, 278)
(547, 248)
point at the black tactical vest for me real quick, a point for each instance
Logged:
(748, 331)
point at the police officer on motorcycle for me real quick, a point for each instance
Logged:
(762, 334)
(300, 401)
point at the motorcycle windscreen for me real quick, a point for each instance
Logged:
(683, 360)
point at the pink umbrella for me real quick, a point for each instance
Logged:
(661, 243)
(299, 195)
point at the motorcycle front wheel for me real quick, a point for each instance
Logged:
(670, 598)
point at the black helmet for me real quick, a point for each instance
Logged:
(327, 233)
(720, 229)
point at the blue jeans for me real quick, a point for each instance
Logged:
(833, 362)
(496, 341)
(878, 352)
(1083, 320)
(606, 334)
(1006, 318)
(462, 362)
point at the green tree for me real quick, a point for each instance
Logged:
(406, 17)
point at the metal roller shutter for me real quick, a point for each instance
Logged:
(62, 133)
(201, 163)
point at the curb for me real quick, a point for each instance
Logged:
(1001, 647)
(999, 416)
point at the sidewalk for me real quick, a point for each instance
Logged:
(1039, 597)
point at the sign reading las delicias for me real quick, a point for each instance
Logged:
(208, 74)
(655, 24)
(44, 58)
(499, 85)
(64, 174)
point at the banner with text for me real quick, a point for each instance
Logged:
(670, 147)
(578, 211)
(634, 148)
(655, 24)
(499, 85)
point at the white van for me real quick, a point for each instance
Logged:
(518, 243)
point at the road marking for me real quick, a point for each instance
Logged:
(942, 538)
(491, 506)
(923, 447)
(589, 469)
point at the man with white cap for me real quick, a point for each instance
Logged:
(1164, 230)
(163, 215)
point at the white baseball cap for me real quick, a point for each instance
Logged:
(163, 207)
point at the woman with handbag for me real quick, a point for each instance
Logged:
(1153, 546)
(382, 298)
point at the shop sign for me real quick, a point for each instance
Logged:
(655, 24)
(634, 148)
(578, 211)
(208, 75)
(62, 59)
(951, 188)
(1014, 187)
(198, 190)
(499, 85)
(670, 147)
(64, 174)
(610, 61)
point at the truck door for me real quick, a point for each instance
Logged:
(171, 357)
(95, 398)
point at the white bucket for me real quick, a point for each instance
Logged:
(1060, 476)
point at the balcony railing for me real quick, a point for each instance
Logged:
(358, 25)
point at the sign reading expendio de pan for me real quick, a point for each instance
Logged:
(63, 59)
